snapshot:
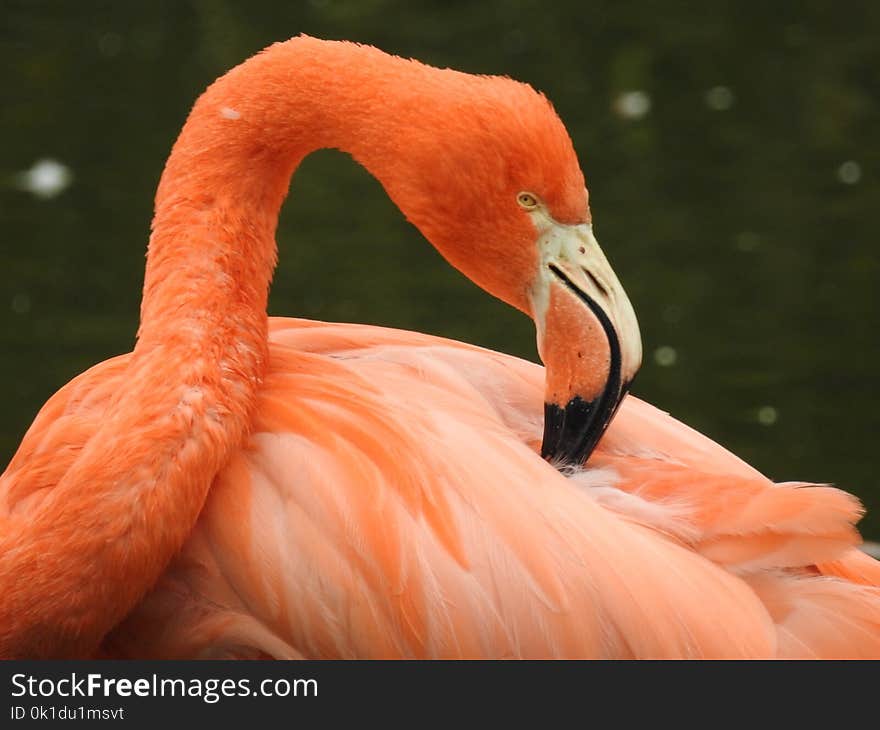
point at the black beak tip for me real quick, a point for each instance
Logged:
(570, 433)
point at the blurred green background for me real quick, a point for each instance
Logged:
(732, 151)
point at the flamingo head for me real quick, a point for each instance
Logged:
(487, 171)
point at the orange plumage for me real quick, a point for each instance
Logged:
(239, 486)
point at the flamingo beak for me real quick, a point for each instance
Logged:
(588, 338)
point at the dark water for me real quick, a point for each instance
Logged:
(739, 209)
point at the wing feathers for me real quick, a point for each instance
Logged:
(390, 503)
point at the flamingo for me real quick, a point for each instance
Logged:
(245, 486)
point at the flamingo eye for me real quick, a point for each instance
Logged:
(529, 201)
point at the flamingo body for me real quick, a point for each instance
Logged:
(335, 532)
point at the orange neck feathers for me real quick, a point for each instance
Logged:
(108, 529)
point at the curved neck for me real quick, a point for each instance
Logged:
(187, 396)
(212, 250)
